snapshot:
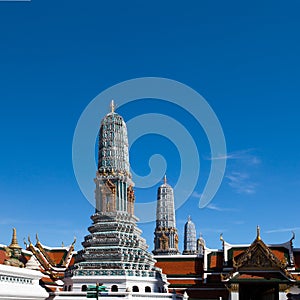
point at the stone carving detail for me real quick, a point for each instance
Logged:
(164, 242)
(131, 199)
(176, 241)
(234, 287)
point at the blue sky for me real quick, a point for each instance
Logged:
(56, 56)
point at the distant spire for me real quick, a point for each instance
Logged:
(200, 245)
(14, 242)
(258, 233)
(166, 236)
(189, 237)
(112, 106)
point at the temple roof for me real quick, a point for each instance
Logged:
(258, 258)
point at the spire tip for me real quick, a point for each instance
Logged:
(258, 233)
(112, 106)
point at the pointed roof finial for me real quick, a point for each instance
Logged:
(258, 233)
(14, 242)
(112, 106)
(189, 218)
(293, 236)
(165, 179)
(37, 239)
(74, 241)
(221, 238)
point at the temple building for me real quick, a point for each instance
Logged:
(116, 257)
(189, 237)
(234, 272)
(114, 253)
(33, 272)
(166, 236)
(237, 272)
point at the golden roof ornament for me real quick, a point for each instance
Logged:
(14, 243)
(258, 233)
(221, 238)
(37, 239)
(74, 241)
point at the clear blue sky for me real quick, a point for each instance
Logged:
(56, 56)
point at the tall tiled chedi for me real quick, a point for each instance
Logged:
(189, 237)
(166, 236)
(114, 252)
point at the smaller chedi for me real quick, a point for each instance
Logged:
(166, 236)
(14, 252)
(200, 245)
(189, 237)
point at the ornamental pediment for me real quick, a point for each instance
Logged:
(258, 256)
(257, 261)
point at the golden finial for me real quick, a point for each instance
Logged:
(221, 238)
(37, 238)
(165, 179)
(258, 233)
(74, 241)
(14, 242)
(112, 106)
(29, 240)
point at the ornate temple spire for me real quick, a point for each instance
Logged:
(166, 237)
(114, 187)
(14, 242)
(165, 212)
(200, 245)
(113, 157)
(189, 237)
(114, 252)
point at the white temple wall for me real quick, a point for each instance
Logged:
(20, 284)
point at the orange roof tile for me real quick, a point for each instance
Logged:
(180, 267)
